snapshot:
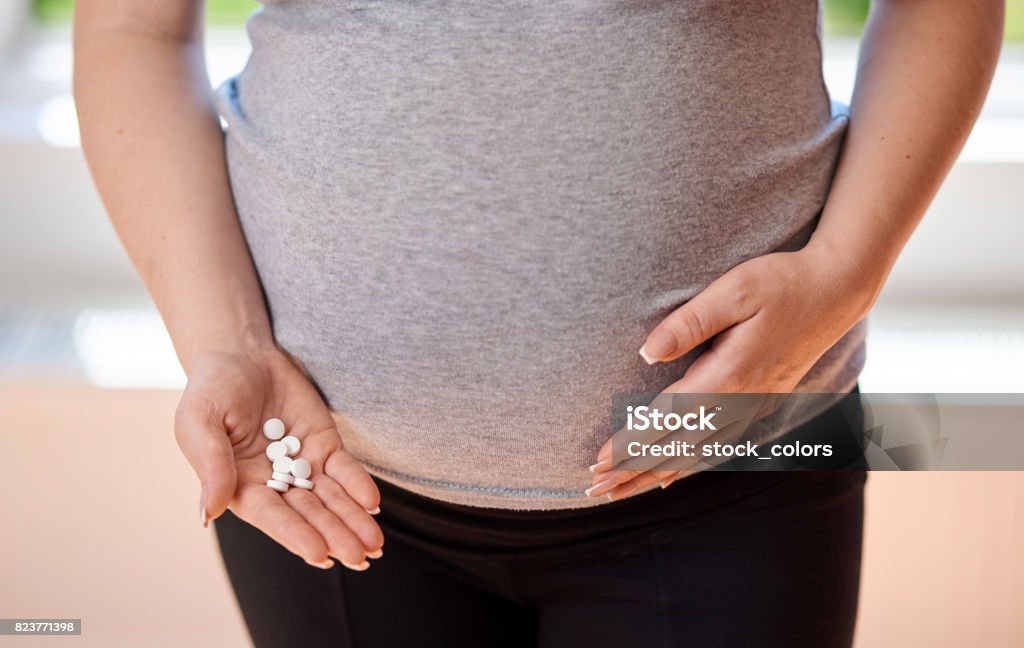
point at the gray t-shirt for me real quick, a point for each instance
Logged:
(468, 215)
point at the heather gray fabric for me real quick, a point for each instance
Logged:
(467, 215)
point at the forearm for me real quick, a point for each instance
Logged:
(923, 73)
(155, 148)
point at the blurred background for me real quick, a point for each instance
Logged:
(99, 508)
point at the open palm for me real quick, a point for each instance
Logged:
(218, 425)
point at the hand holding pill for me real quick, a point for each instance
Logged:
(264, 444)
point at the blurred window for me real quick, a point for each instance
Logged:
(217, 11)
(846, 18)
(842, 17)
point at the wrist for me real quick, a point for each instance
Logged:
(856, 279)
(256, 343)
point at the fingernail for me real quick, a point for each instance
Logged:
(375, 554)
(327, 564)
(662, 343)
(648, 359)
(599, 489)
(363, 566)
(203, 516)
(665, 483)
(600, 465)
(374, 511)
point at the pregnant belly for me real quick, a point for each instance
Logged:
(466, 254)
(480, 338)
(475, 342)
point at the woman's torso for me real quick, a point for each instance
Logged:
(467, 216)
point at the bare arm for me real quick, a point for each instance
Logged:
(925, 67)
(924, 70)
(156, 151)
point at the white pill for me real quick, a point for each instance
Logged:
(283, 465)
(285, 477)
(301, 468)
(303, 483)
(293, 444)
(279, 486)
(276, 450)
(273, 429)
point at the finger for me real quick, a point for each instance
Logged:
(644, 481)
(604, 459)
(342, 543)
(350, 513)
(665, 483)
(266, 510)
(725, 410)
(672, 444)
(204, 442)
(716, 308)
(673, 478)
(629, 468)
(716, 371)
(738, 361)
(606, 482)
(344, 469)
(606, 456)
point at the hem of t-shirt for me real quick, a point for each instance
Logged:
(851, 362)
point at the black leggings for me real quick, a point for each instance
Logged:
(717, 559)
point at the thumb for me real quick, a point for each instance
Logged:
(204, 441)
(713, 310)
